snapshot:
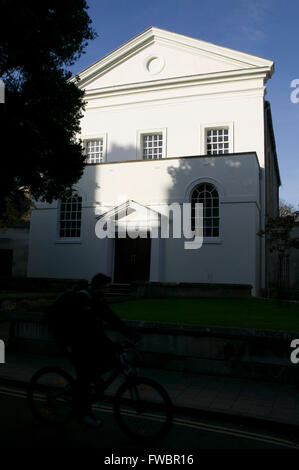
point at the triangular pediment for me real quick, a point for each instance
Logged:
(157, 54)
(127, 209)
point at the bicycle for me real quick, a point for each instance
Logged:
(141, 406)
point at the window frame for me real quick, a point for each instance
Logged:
(216, 126)
(209, 239)
(139, 145)
(71, 239)
(95, 137)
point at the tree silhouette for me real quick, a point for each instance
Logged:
(41, 115)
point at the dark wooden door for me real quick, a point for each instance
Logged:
(6, 257)
(132, 259)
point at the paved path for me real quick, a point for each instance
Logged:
(238, 397)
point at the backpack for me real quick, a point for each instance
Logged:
(58, 317)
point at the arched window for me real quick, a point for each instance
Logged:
(70, 216)
(206, 194)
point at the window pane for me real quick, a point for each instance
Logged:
(152, 146)
(70, 216)
(207, 194)
(218, 137)
(94, 151)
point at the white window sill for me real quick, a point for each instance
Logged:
(95, 163)
(68, 240)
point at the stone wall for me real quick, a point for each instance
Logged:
(256, 354)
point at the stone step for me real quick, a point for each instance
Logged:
(120, 289)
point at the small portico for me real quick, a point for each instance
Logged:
(135, 229)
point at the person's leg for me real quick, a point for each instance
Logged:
(85, 375)
(82, 392)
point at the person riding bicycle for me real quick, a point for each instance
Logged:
(92, 352)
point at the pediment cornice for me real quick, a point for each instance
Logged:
(178, 82)
(239, 61)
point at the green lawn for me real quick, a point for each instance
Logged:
(242, 313)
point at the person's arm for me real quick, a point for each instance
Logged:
(105, 312)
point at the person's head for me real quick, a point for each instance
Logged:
(100, 283)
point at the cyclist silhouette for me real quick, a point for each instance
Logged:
(87, 342)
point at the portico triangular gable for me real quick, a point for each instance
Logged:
(131, 212)
(160, 55)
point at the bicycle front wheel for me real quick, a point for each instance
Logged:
(50, 396)
(143, 409)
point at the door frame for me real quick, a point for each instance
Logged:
(155, 259)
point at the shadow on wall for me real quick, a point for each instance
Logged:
(219, 171)
(184, 174)
(119, 153)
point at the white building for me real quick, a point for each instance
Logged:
(168, 119)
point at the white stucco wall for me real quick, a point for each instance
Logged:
(183, 117)
(230, 258)
(182, 113)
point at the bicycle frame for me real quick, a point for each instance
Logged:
(124, 368)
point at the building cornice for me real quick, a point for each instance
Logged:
(166, 159)
(179, 82)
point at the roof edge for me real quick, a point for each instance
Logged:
(153, 33)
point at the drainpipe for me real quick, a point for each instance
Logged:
(266, 192)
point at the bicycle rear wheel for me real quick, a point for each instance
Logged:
(50, 396)
(143, 409)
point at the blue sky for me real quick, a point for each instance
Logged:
(266, 28)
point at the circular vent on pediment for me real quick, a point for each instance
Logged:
(155, 65)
